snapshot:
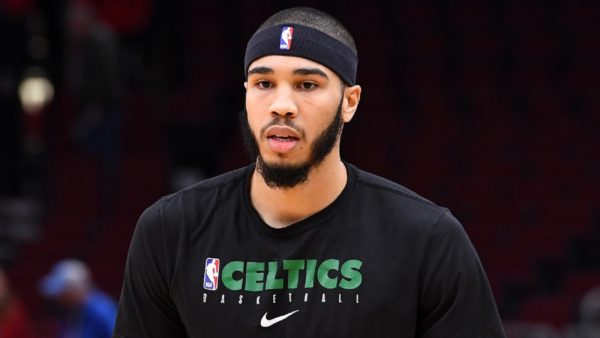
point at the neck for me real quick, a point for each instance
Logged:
(282, 207)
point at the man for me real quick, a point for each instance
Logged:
(302, 244)
(85, 312)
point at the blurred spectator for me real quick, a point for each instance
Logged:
(84, 311)
(14, 321)
(589, 315)
(93, 76)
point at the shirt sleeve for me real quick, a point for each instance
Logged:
(455, 299)
(145, 307)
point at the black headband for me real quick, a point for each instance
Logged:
(306, 42)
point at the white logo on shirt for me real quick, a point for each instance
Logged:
(264, 322)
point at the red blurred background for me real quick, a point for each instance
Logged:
(487, 107)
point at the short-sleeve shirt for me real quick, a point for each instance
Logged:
(379, 261)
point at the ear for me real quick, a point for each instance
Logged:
(350, 102)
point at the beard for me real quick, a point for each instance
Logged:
(286, 176)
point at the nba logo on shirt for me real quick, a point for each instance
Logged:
(285, 41)
(211, 274)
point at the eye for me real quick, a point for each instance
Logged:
(305, 85)
(264, 84)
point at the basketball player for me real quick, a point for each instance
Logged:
(301, 243)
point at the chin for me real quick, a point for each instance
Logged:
(290, 158)
(281, 160)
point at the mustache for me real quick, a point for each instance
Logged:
(278, 121)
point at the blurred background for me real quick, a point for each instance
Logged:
(490, 108)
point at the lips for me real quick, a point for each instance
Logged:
(282, 139)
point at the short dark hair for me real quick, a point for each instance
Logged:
(313, 18)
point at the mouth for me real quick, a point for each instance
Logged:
(282, 139)
(281, 132)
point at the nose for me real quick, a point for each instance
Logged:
(284, 104)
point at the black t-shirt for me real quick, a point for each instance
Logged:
(380, 261)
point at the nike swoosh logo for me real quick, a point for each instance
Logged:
(264, 322)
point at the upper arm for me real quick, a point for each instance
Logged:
(455, 299)
(145, 307)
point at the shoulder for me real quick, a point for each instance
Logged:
(402, 212)
(175, 217)
(402, 221)
(207, 188)
(384, 185)
(394, 196)
(203, 195)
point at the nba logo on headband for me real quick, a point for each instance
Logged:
(285, 41)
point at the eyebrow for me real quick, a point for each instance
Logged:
(311, 71)
(298, 71)
(260, 70)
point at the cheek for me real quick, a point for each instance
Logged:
(258, 99)
(256, 122)
(254, 125)
(256, 109)
(252, 113)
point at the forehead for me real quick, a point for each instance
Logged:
(288, 64)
